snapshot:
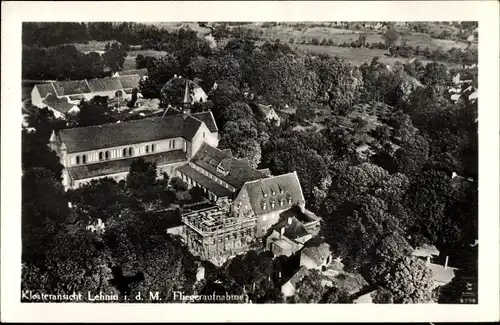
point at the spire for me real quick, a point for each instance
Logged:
(187, 96)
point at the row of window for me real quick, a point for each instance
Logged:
(191, 182)
(112, 154)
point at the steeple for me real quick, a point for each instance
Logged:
(53, 141)
(187, 98)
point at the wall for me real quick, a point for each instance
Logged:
(169, 168)
(307, 262)
(117, 152)
(202, 135)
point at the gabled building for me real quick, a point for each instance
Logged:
(219, 173)
(268, 197)
(75, 90)
(59, 106)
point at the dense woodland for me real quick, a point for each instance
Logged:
(374, 209)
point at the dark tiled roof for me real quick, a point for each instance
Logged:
(284, 186)
(58, 104)
(104, 84)
(140, 72)
(208, 119)
(131, 81)
(298, 276)
(64, 88)
(191, 126)
(206, 182)
(293, 230)
(317, 253)
(238, 173)
(45, 89)
(123, 165)
(119, 134)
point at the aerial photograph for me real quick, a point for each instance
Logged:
(314, 162)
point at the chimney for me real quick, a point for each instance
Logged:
(289, 220)
(428, 260)
(446, 263)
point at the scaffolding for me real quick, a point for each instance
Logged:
(217, 233)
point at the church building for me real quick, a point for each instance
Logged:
(107, 150)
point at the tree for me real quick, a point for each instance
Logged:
(94, 112)
(334, 295)
(407, 279)
(362, 39)
(44, 210)
(114, 57)
(178, 184)
(141, 180)
(140, 61)
(100, 199)
(309, 290)
(391, 37)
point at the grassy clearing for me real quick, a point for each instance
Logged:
(358, 56)
(284, 33)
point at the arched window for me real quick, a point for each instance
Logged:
(147, 148)
(100, 156)
(106, 154)
(153, 148)
(130, 151)
(124, 152)
(119, 94)
(78, 160)
(84, 159)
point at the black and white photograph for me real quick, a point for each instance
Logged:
(250, 162)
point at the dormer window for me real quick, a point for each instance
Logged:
(264, 206)
(273, 193)
(289, 200)
(84, 159)
(281, 202)
(147, 148)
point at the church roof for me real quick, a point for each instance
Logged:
(137, 131)
(64, 88)
(59, 104)
(233, 171)
(123, 165)
(208, 119)
(274, 193)
(130, 81)
(104, 84)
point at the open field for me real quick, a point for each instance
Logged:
(172, 26)
(284, 33)
(358, 56)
